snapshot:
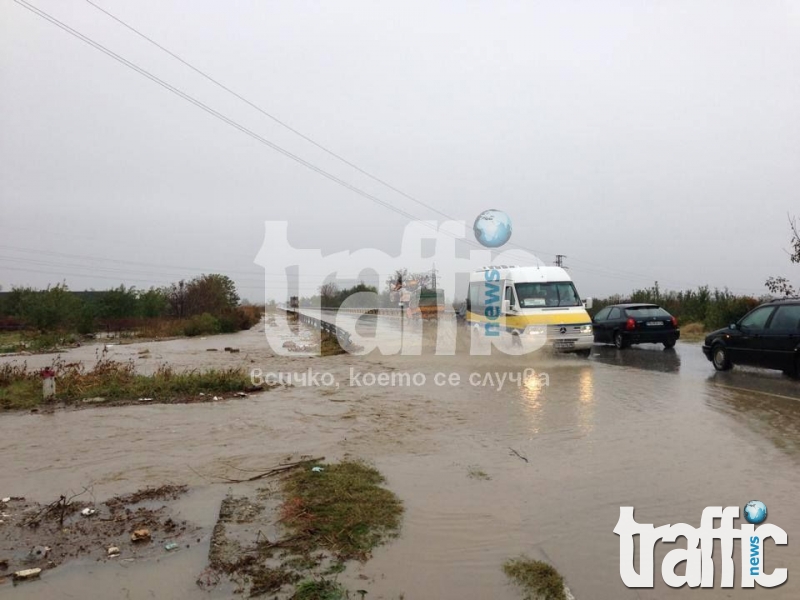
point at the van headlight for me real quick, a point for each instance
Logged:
(586, 329)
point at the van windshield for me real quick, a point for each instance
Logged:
(553, 293)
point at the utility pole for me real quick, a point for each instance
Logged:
(399, 288)
(560, 260)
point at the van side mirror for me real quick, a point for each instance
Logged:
(588, 303)
(506, 306)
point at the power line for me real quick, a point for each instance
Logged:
(128, 273)
(127, 262)
(267, 114)
(44, 15)
(289, 127)
(93, 276)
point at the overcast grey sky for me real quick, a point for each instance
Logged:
(657, 139)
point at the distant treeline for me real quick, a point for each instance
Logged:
(713, 308)
(331, 296)
(206, 304)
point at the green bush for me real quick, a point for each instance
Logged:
(204, 324)
(728, 310)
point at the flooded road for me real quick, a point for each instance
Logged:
(657, 430)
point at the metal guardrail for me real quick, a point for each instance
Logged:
(341, 334)
(384, 312)
(393, 312)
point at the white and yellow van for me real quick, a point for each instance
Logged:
(537, 306)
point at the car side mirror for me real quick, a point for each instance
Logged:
(732, 326)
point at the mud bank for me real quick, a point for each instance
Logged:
(123, 528)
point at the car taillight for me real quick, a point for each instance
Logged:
(631, 324)
(674, 321)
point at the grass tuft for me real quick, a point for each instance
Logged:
(21, 387)
(538, 580)
(319, 589)
(342, 509)
(478, 473)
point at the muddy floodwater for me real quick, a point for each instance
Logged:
(657, 430)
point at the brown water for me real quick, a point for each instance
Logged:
(652, 429)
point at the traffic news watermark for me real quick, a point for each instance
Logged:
(699, 571)
(424, 244)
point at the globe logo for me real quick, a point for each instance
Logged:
(755, 512)
(492, 228)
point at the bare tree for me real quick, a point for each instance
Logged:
(404, 278)
(780, 285)
(794, 255)
(327, 293)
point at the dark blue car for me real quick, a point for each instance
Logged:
(768, 336)
(626, 324)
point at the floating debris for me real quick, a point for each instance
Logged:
(27, 574)
(140, 535)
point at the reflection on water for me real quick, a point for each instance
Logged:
(567, 410)
(532, 391)
(639, 357)
(586, 397)
(534, 384)
(761, 404)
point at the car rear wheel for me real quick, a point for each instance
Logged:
(669, 344)
(719, 356)
(619, 341)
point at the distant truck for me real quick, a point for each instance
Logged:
(294, 302)
(430, 303)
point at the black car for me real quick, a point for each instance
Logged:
(626, 324)
(768, 336)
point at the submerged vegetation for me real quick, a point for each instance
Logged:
(341, 508)
(327, 514)
(319, 589)
(538, 580)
